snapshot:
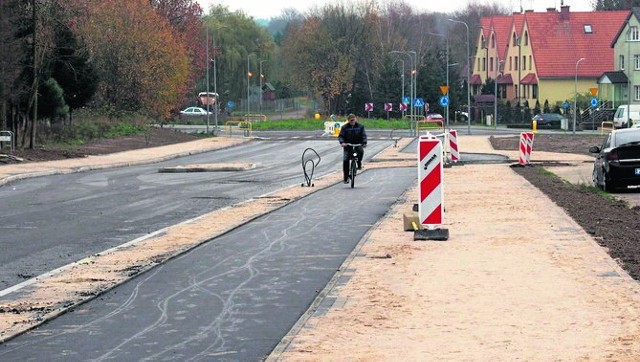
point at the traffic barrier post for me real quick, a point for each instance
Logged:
(453, 145)
(431, 190)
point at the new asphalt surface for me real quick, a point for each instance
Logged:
(233, 297)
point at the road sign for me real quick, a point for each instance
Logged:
(426, 107)
(406, 100)
(231, 104)
(402, 107)
(444, 89)
(594, 91)
(594, 102)
(565, 105)
(368, 107)
(418, 102)
(388, 107)
(444, 101)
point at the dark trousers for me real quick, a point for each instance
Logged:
(346, 152)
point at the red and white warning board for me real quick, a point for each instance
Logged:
(430, 172)
(453, 145)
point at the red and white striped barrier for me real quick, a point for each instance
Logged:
(453, 145)
(526, 146)
(430, 207)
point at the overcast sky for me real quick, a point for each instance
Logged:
(265, 9)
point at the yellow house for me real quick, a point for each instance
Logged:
(545, 56)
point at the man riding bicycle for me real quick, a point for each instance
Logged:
(353, 133)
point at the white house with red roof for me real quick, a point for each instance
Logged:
(546, 56)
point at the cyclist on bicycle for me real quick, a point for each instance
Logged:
(354, 133)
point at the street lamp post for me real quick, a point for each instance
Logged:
(402, 82)
(495, 92)
(468, 75)
(208, 108)
(448, 65)
(413, 77)
(575, 95)
(261, 76)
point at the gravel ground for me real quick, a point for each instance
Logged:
(613, 224)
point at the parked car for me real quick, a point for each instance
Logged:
(617, 162)
(434, 117)
(194, 112)
(549, 120)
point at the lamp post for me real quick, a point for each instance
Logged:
(468, 75)
(261, 76)
(402, 81)
(448, 65)
(208, 108)
(413, 77)
(495, 92)
(249, 84)
(575, 95)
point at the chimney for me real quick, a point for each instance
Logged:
(551, 10)
(528, 11)
(564, 12)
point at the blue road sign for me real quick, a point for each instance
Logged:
(231, 104)
(418, 102)
(444, 101)
(406, 100)
(565, 105)
(594, 102)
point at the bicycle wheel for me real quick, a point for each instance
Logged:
(354, 169)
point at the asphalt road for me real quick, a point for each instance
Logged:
(232, 298)
(48, 222)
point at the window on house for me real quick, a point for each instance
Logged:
(524, 62)
(633, 33)
(587, 29)
(493, 41)
(515, 39)
(636, 91)
(621, 62)
(484, 64)
(510, 64)
(478, 64)
(526, 38)
(530, 61)
(491, 64)
(534, 91)
(636, 61)
(516, 63)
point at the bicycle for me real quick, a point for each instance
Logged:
(353, 162)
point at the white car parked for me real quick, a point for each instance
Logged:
(194, 112)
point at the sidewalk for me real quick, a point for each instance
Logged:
(518, 279)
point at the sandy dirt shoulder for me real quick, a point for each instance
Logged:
(517, 279)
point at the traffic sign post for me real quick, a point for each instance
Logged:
(388, 107)
(368, 107)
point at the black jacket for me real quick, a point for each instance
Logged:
(353, 134)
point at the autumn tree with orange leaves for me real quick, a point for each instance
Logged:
(141, 63)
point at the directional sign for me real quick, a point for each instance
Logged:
(444, 101)
(594, 102)
(368, 107)
(388, 107)
(406, 100)
(418, 102)
(402, 107)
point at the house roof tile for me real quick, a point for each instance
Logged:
(558, 41)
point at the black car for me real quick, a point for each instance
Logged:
(549, 120)
(617, 163)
